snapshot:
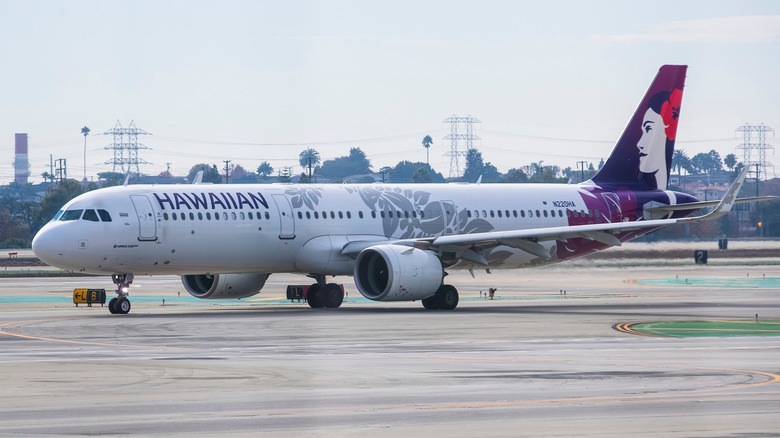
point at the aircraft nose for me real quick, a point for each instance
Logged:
(49, 246)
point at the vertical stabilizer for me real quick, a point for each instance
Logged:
(643, 155)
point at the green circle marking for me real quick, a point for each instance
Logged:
(699, 329)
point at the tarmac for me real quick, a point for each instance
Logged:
(534, 361)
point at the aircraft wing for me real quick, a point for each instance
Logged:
(528, 239)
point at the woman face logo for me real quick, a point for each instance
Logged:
(652, 145)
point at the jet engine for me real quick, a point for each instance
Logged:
(223, 286)
(397, 273)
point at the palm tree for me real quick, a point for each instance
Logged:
(85, 131)
(427, 141)
(680, 161)
(265, 169)
(309, 158)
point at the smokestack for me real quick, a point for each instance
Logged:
(21, 164)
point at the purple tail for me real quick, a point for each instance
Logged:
(643, 155)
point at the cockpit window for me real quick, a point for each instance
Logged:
(90, 215)
(71, 215)
(57, 216)
(104, 216)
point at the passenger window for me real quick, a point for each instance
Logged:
(104, 216)
(251, 215)
(468, 213)
(332, 215)
(522, 213)
(244, 217)
(360, 214)
(173, 216)
(341, 215)
(216, 216)
(192, 216)
(267, 215)
(208, 215)
(349, 215)
(492, 213)
(373, 214)
(537, 213)
(308, 215)
(514, 213)
(300, 215)
(224, 215)
(165, 216)
(71, 215)
(422, 214)
(90, 215)
(545, 213)
(499, 213)
(183, 216)
(316, 215)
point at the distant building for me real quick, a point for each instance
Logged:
(21, 163)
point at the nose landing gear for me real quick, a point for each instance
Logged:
(121, 304)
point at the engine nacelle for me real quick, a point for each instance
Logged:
(397, 273)
(223, 286)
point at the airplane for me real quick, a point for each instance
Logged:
(397, 240)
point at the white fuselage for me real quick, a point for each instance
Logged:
(210, 229)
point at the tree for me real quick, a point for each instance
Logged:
(109, 179)
(265, 169)
(476, 168)
(680, 161)
(421, 176)
(426, 142)
(85, 132)
(716, 163)
(238, 173)
(355, 163)
(516, 176)
(404, 171)
(309, 159)
(210, 173)
(707, 162)
(730, 161)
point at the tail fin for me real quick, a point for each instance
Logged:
(643, 155)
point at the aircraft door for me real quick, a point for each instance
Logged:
(450, 216)
(286, 219)
(147, 227)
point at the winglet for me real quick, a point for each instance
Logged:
(198, 177)
(724, 207)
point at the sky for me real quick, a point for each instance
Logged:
(254, 81)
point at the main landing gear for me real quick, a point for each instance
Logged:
(120, 304)
(327, 295)
(445, 298)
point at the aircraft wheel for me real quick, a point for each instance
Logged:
(431, 303)
(332, 296)
(314, 296)
(112, 305)
(447, 296)
(122, 306)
